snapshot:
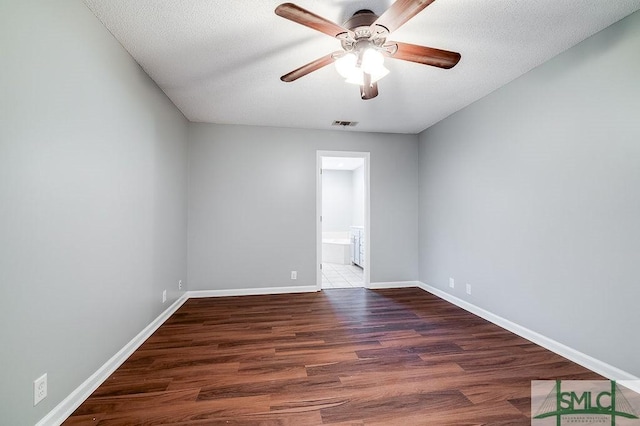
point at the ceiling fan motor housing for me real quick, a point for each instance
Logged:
(362, 31)
(361, 21)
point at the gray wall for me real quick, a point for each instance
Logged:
(532, 196)
(92, 201)
(251, 223)
(337, 200)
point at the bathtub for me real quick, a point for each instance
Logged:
(336, 250)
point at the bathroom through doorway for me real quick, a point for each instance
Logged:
(343, 219)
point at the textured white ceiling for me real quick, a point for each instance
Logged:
(220, 61)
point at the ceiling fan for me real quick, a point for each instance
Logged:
(364, 44)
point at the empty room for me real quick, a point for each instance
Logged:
(171, 253)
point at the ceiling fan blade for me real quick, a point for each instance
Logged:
(400, 12)
(308, 68)
(425, 55)
(302, 16)
(368, 90)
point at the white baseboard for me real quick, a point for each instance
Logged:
(252, 291)
(600, 367)
(393, 284)
(68, 405)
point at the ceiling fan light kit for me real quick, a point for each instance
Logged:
(364, 44)
(353, 66)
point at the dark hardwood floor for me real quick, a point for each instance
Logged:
(339, 357)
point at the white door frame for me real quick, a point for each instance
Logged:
(367, 217)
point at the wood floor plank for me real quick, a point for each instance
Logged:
(392, 407)
(139, 401)
(338, 357)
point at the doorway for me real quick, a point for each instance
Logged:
(342, 199)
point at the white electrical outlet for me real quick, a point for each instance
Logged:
(294, 275)
(452, 283)
(39, 389)
(180, 285)
(468, 288)
(164, 296)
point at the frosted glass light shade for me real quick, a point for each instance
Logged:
(358, 78)
(346, 65)
(372, 63)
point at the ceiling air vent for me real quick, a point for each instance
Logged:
(344, 123)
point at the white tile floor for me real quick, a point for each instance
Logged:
(341, 276)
